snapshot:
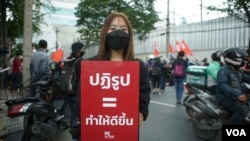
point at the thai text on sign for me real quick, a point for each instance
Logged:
(109, 100)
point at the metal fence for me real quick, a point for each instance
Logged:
(207, 35)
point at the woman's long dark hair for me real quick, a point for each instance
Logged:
(104, 52)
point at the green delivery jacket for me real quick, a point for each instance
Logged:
(212, 71)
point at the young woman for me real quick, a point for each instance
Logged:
(116, 44)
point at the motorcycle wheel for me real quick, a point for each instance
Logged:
(191, 113)
(28, 136)
(205, 134)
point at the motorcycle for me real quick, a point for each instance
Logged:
(193, 95)
(195, 87)
(207, 123)
(38, 118)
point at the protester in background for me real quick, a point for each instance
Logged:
(39, 66)
(57, 58)
(205, 62)
(16, 73)
(188, 62)
(212, 70)
(76, 55)
(149, 66)
(196, 61)
(156, 78)
(33, 49)
(10, 65)
(163, 75)
(180, 78)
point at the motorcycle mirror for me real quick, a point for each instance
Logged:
(245, 87)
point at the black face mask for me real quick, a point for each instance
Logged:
(117, 39)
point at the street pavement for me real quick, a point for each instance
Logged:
(166, 121)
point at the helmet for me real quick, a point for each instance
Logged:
(216, 55)
(151, 56)
(235, 57)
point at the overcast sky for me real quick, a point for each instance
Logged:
(190, 9)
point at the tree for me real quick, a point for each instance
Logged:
(91, 13)
(12, 18)
(237, 8)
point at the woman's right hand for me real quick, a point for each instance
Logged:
(242, 98)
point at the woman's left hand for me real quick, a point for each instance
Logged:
(140, 119)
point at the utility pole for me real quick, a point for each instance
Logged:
(57, 30)
(167, 30)
(201, 10)
(27, 31)
(173, 18)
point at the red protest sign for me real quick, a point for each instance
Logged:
(109, 100)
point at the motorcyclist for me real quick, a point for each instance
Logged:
(149, 64)
(212, 70)
(229, 93)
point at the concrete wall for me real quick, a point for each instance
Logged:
(202, 38)
(198, 54)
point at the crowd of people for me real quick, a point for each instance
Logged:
(225, 73)
(158, 81)
(15, 72)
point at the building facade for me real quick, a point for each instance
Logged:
(59, 28)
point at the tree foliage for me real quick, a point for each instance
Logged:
(91, 13)
(235, 8)
(15, 16)
(18, 48)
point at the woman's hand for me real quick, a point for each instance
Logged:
(140, 119)
(242, 97)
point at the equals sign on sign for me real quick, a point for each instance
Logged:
(109, 102)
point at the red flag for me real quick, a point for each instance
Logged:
(186, 49)
(170, 48)
(57, 56)
(156, 50)
(178, 46)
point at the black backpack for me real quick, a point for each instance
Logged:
(156, 71)
(67, 80)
